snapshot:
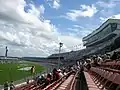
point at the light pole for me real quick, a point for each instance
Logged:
(6, 51)
(60, 46)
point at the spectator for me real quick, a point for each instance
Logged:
(27, 81)
(108, 56)
(104, 56)
(88, 66)
(39, 81)
(64, 72)
(95, 61)
(118, 55)
(60, 73)
(42, 79)
(114, 56)
(55, 74)
(49, 78)
(81, 67)
(37, 78)
(100, 60)
(6, 86)
(12, 86)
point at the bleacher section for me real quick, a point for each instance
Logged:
(105, 77)
(63, 83)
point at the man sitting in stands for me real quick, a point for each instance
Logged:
(100, 60)
(95, 61)
(64, 72)
(39, 81)
(60, 73)
(114, 56)
(12, 86)
(42, 79)
(81, 66)
(88, 65)
(6, 86)
(28, 81)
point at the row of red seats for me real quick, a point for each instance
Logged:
(24, 87)
(31, 86)
(112, 64)
(105, 77)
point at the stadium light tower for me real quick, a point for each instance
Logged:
(6, 51)
(60, 46)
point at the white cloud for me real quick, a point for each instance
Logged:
(78, 26)
(53, 3)
(79, 31)
(27, 33)
(107, 8)
(36, 11)
(56, 4)
(104, 4)
(24, 30)
(84, 11)
(73, 29)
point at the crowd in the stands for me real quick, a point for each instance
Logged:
(97, 60)
(49, 78)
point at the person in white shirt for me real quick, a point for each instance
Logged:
(60, 73)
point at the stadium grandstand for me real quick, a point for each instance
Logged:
(105, 38)
(9, 58)
(97, 67)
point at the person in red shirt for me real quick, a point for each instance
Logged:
(55, 74)
(49, 78)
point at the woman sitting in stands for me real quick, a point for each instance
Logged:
(49, 78)
(55, 74)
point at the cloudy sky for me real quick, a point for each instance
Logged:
(35, 27)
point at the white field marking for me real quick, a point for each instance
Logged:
(23, 64)
(25, 69)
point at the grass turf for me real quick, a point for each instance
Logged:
(9, 71)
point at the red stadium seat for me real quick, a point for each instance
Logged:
(106, 75)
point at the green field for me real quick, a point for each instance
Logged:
(11, 71)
